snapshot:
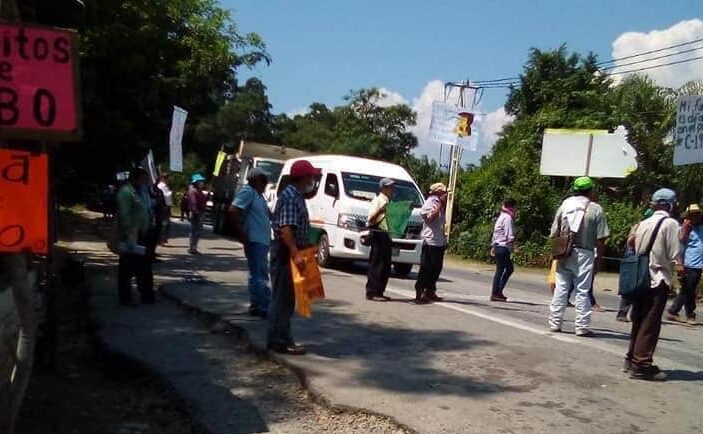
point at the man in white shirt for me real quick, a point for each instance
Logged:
(168, 200)
(381, 244)
(647, 307)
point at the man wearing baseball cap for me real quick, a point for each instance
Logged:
(197, 206)
(648, 306)
(582, 219)
(692, 240)
(434, 243)
(381, 244)
(252, 225)
(291, 225)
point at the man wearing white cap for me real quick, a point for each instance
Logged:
(660, 233)
(381, 243)
(252, 223)
(434, 243)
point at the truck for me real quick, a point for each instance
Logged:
(233, 171)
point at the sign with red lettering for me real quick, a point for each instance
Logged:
(24, 197)
(38, 83)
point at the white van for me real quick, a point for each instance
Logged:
(341, 203)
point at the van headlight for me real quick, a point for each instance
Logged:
(352, 222)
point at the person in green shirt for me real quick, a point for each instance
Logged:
(132, 226)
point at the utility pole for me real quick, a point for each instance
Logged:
(465, 89)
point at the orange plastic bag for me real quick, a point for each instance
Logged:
(308, 284)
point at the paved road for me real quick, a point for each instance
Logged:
(464, 365)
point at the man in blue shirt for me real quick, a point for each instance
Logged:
(291, 226)
(252, 223)
(692, 240)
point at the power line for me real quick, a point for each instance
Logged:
(650, 51)
(663, 56)
(657, 66)
(512, 81)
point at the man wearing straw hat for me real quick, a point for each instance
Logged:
(434, 243)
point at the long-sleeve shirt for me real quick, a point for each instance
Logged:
(433, 219)
(197, 202)
(168, 194)
(666, 251)
(132, 215)
(504, 231)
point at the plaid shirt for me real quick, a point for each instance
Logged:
(291, 211)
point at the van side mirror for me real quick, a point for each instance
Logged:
(332, 190)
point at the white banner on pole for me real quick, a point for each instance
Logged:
(688, 140)
(175, 139)
(453, 125)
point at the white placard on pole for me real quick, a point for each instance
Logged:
(688, 140)
(453, 125)
(178, 123)
(149, 165)
(593, 153)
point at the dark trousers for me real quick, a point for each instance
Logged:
(152, 240)
(379, 263)
(624, 308)
(687, 296)
(504, 269)
(431, 264)
(283, 297)
(647, 310)
(137, 266)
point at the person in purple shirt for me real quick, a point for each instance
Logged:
(502, 246)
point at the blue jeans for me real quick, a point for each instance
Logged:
(258, 260)
(196, 226)
(504, 269)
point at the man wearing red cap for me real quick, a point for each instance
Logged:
(291, 225)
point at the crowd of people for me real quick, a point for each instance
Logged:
(272, 243)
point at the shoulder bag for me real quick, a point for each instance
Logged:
(634, 269)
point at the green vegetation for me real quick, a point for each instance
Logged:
(189, 52)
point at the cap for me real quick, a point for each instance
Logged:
(197, 178)
(303, 168)
(583, 183)
(648, 213)
(693, 209)
(438, 187)
(665, 195)
(386, 182)
(256, 172)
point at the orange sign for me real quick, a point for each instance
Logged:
(24, 196)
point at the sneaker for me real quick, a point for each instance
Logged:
(555, 329)
(652, 373)
(584, 333)
(375, 298)
(691, 320)
(499, 298)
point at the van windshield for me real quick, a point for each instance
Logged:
(365, 187)
(273, 168)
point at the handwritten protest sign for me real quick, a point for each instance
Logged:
(38, 83)
(689, 130)
(23, 202)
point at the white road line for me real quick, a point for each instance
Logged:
(520, 325)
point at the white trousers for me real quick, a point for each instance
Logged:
(575, 271)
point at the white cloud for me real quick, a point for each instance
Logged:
(631, 43)
(491, 125)
(389, 98)
(299, 111)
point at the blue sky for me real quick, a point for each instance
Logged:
(322, 49)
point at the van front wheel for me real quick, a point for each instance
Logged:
(402, 270)
(323, 253)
